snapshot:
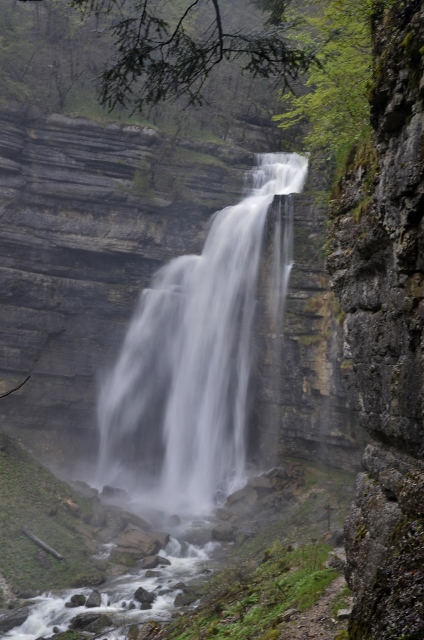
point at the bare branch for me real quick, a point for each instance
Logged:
(219, 25)
(3, 395)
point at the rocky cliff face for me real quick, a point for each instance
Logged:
(89, 212)
(301, 408)
(377, 269)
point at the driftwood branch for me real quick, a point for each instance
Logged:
(3, 395)
(41, 544)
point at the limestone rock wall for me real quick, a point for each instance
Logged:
(88, 213)
(301, 408)
(377, 269)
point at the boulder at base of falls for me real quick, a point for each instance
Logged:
(10, 619)
(162, 538)
(241, 502)
(127, 517)
(288, 476)
(137, 543)
(152, 574)
(114, 493)
(143, 596)
(141, 632)
(77, 600)
(274, 501)
(94, 600)
(247, 495)
(188, 596)
(225, 514)
(261, 484)
(84, 489)
(224, 532)
(92, 622)
(114, 520)
(151, 562)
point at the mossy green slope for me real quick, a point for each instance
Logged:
(245, 603)
(31, 496)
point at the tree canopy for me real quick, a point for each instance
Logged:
(334, 102)
(167, 49)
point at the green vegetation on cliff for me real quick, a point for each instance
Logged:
(335, 103)
(30, 496)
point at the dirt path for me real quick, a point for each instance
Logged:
(318, 622)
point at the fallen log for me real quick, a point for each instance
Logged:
(42, 544)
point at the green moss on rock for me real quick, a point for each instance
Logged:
(31, 496)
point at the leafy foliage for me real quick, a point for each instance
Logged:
(335, 106)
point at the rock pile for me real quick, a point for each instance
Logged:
(265, 496)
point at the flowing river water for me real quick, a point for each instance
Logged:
(172, 413)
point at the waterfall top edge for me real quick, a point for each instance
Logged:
(280, 173)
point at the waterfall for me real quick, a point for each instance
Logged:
(172, 413)
(282, 262)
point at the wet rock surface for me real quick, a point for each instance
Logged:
(300, 392)
(93, 622)
(151, 562)
(10, 619)
(377, 269)
(89, 212)
(143, 596)
(93, 600)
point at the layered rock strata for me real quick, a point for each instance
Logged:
(89, 212)
(377, 269)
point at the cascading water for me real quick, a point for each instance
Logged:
(172, 413)
(282, 257)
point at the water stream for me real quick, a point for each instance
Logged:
(172, 413)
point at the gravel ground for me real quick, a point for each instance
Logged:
(318, 622)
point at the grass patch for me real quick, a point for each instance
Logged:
(265, 576)
(189, 157)
(31, 496)
(248, 605)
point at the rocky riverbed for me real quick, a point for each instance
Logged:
(132, 568)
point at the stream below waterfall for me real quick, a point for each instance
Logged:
(49, 615)
(172, 413)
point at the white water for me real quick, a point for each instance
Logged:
(172, 413)
(49, 611)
